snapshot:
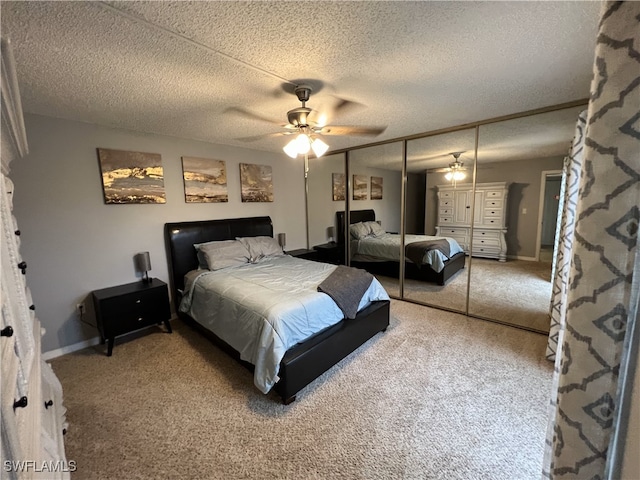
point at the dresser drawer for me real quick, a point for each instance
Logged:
(445, 195)
(486, 234)
(454, 232)
(485, 242)
(446, 212)
(493, 203)
(493, 194)
(492, 212)
(445, 220)
(446, 202)
(492, 221)
(485, 251)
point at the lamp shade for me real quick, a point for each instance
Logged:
(143, 262)
(282, 239)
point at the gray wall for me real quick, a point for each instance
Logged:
(74, 243)
(322, 208)
(524, 193)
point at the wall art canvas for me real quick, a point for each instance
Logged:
(360, 187)
(256, 182)
(376, 188)
(131, 177)
(338, 186)
(205, 180)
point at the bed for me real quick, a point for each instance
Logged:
(381, 255)
(301, 362)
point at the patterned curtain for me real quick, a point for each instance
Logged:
(600, 298)
(571, 182)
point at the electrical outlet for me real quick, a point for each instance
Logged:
(80, 308)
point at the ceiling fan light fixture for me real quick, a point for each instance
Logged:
(303, 143)
(455, 176)
(291, 148)
(319, 147)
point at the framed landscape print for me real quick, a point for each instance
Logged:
(376, 188)
(360, 187)
(256, 183)
(205, 180)
(338, 186)
(131, 177)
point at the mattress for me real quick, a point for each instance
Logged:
(263, 309)
(387, 248)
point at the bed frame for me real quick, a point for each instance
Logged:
(392, 269)
(302, 363)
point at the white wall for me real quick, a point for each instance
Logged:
(74, 243)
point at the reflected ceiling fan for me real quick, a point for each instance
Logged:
(455, 170)
(309, 125)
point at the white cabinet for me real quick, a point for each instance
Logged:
(32, 415)
(487, 237)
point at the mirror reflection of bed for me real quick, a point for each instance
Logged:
(428, 258)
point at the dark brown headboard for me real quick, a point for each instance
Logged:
(180, 237)
(355, 216)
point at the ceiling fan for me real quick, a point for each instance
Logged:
(309, 125)
(455, 170)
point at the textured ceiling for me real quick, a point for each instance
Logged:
(175, 68)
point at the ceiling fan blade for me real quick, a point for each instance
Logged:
(262, 137)
(249, 114)
(349, 130)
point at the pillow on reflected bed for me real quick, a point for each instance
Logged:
(260, 247)
(359, 230)
(221, 254)
(375, 229)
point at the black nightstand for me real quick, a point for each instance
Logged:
(330, 253)
(129, 307)
(303, 253)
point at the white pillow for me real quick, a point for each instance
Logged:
(260, 247)
(222, 254)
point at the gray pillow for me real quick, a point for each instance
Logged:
(359, 230)
(260, 247)
(222, 254)
(375, 229)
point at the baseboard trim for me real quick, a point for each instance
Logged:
(58, 352)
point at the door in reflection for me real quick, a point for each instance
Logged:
(519, 154)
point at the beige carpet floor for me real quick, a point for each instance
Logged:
(437, 396)
(515, 292)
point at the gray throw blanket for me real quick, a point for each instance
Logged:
(346, 286)
(415, 251)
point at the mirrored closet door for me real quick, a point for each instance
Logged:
(376, 196)
(439, 203)
(517, 195)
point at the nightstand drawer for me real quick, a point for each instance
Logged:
(129, 321)
(138, 302)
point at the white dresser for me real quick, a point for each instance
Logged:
(31, 410)
(489, 217)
